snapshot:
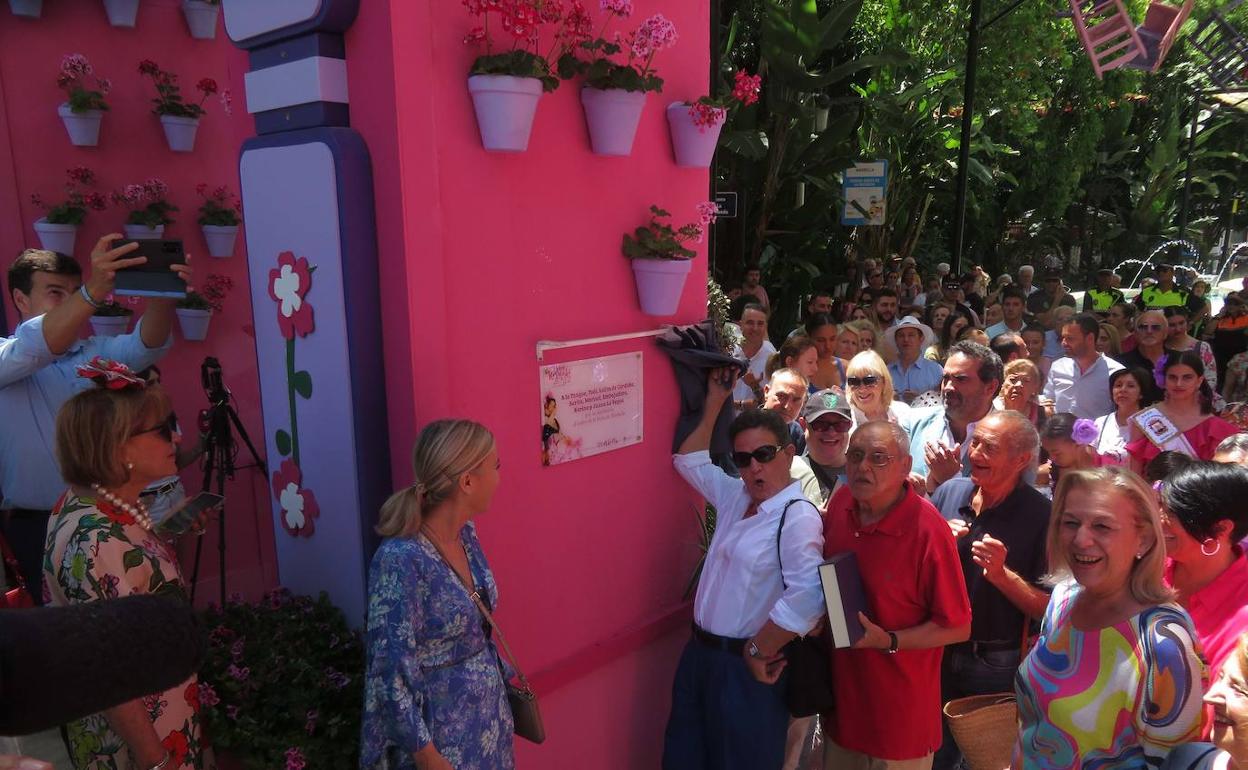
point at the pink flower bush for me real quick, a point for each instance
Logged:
(83, 88)
(288, 287)
(709, 112)
(79, 198)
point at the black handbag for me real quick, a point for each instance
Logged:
(808, 686)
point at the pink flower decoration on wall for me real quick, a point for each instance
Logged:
(288, 287)
(299, 508)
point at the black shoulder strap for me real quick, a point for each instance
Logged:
(780, 531)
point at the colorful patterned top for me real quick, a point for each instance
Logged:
(1118, 697)
(96, 552)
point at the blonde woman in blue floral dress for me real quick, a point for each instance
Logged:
(112, 442)
(435, 694)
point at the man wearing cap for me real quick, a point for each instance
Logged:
(1104, 296)
(827, 420)
(1013, 312)
(1053, 295)
(951, 291)
(912, 373)
(1165, 293)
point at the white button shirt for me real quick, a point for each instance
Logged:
(1083, 394)
(740, 587)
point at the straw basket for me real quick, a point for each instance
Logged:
(985, 728)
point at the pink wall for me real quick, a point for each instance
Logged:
(35, 151)
(482, 256)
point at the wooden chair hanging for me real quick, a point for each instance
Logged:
(1107, 33)
(1157, 33)
(1224, 48)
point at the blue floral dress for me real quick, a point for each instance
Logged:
(433, 674)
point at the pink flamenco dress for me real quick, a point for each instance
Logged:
(1204, 438)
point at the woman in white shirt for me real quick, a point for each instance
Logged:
(759, 589)
(870, 390)
(1131, 390)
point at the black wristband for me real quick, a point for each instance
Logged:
(892, 643)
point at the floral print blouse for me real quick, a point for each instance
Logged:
(96, 552)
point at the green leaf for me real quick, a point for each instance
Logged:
(838, 22)
(132, 558)
(751, 145)
(302, 383)
(282, 439)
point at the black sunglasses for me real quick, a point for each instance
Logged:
(822, 426)
(166, 429)
(867, 381)
(764, 455)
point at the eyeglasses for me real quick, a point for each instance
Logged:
(764, 455)
(166, 429)
(876, 459)
(1150, 327)
(823, 426)
(862, 382)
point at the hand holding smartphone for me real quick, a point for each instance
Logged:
(185, 518)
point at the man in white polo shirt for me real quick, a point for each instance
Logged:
(1079, 382)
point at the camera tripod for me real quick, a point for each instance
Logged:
(220, 451)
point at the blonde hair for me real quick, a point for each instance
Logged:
(869, 362)
(444, 451)
(1147, 581)
(865, 325)
(1115, 339)
(93, 425)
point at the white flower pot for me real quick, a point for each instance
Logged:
(505, 107)
(110, 325)
(121, 13)
(83, 127)
(180, 132)
(220, 239)
(31, 9)
(194, 322)
(143, 232)
(201, 18)
(58, 238)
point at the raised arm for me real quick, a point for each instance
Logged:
(61, 323)
(719, 384)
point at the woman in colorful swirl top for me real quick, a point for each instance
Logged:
(1116, 676)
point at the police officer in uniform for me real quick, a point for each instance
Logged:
(1103, 296)
(1163, 294)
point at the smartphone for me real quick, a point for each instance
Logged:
(153, 278)
(181, 520)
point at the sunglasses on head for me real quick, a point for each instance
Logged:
(823, 426)
(764, 455)
(166, 429)
(862, 382)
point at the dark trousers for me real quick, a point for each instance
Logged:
(26, 532)
(722, 718)
(964, 673)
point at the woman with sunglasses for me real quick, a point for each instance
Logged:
(111, 442)
(870, 390)
(164, 496)
(759, 589)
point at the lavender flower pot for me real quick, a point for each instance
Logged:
(143, 232)
(59, 238)
(505, 108)
(31, 9)
(194, 322)
(109, 325)
(693, 145)
(612, 116)
(180, 132)
(201, 18)
(660, 283)
(121, 13)
(83, 127)
(220, 239)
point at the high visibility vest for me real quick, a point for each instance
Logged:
(1102, 301)
(1156, 298)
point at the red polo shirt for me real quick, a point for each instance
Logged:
(888, 706)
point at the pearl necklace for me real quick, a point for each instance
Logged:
(138, 510)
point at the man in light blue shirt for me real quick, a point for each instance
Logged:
(912, 374)
(38, 374)
(1079, 382)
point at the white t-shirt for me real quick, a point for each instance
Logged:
(758, 366)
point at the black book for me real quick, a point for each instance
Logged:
(844, 597)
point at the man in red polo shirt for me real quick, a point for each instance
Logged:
(888, 685)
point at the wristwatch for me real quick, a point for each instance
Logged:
(753, 651)
(892, 643)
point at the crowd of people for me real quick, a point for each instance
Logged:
(1043, 499)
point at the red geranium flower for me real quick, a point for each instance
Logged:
(208, 86)
(191, 694)
(288, 287)
(299, 508)
(178, 747)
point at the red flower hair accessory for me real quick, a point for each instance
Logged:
(110, 375)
